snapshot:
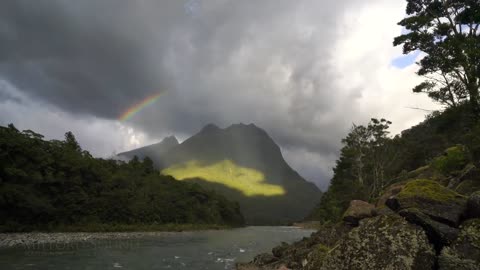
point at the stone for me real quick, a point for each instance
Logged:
(464, 253)
(473, 205)
(382, 242)
(357, 211)
(438, 202)
(280, 250)
(264, 259)
(438, 233)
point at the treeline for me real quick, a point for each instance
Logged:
(370, 160)
(46, 185)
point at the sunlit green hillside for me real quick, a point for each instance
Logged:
(249, 181)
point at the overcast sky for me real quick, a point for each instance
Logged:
(302, 70)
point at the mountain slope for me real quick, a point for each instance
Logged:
(243, 163)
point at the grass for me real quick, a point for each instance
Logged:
(249, 181)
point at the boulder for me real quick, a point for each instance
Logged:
(264, 259)
(357, 211)
(382, 242)
(473, 205)
(316, 257)
(439, 234)
(388, 193)
(436, 201)
(464, 253)
(279, 251)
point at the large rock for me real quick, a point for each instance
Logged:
(436, 201)
(357, 211)
(439, 234)
(473, 205)
(464, 253)
(383, 242)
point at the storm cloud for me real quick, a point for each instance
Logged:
(302, 70)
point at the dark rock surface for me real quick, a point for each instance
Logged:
(464, 253)
(473, 205)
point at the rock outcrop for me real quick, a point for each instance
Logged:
(432, 199)
(384, 242)
(464, 253)
(357, 211)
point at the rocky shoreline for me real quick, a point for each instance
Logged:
(35, 239)
(416, 224)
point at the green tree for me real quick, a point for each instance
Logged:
(447, 31)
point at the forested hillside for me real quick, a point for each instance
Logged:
(371, 160)
(50, 185)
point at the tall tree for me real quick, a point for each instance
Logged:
(447, 31)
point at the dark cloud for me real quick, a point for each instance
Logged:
(274, 63)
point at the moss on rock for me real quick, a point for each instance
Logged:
(436, 201)
(428, 189)
(454, 159)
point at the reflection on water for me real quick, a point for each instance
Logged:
(187, 250)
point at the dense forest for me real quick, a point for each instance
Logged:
(371, 160)
(55, 185)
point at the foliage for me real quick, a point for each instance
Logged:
(447, 31)
(53, 184)
(399, 156)
(454, 159)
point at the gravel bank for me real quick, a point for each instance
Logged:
(13, 240)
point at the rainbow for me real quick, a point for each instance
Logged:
(127, 114)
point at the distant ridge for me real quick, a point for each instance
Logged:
(241, 162)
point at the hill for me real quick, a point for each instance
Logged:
(407, 202)
(55, 185)
(243, 163)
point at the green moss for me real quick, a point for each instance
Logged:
(428, 189)
(454, 159)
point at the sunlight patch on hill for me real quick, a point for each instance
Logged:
(249, 181)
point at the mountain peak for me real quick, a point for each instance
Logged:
(210, 127)
(170, 140)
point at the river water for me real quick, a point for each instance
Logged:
(184, 250)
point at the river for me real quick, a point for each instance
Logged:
(183, 250)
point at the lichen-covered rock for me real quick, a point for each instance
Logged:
(316, 257)
(439, 234)
(357, 211)
(383, 242)
(464, 253)
(473, 205)
(280, 250)
(301, 253)
(431, 198)
(264, 259)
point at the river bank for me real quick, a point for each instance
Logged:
(86, 234)
(208, 249)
